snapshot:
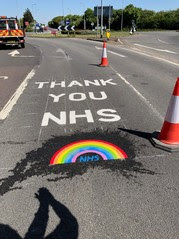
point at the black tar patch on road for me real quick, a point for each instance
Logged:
(36, 162)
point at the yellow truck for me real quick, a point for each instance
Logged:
(10, 34)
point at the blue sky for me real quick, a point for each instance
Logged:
(45, 10)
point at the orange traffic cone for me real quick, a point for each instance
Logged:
(104, 60)
(168, 138)
(170, 130)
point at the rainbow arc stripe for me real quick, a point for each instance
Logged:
(70, 152)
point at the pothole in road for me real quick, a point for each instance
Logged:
(37, 161)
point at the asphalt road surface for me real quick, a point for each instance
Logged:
(54, 94)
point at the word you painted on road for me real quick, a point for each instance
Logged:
(103, 115)
(88, 151)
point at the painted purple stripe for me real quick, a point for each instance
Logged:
(88, 151)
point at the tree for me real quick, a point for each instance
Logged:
(55, 22)
(89, 15)
(131, 13)
(147, 20)
(28, 16)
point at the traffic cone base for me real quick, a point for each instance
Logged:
(161, 145)
(104, 62)
(169, 133)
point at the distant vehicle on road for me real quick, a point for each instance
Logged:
(10, 34)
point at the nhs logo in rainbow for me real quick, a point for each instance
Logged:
(88, 158)
(88, 151)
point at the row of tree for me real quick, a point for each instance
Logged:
(144, 19)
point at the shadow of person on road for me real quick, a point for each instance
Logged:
(66, 229)
(6, 232)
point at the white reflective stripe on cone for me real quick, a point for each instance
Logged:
(104, 53)
(172, 115)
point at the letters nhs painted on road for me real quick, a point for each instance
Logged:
(62, 117)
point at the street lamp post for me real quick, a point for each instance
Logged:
(33, 12)
(97, 21)
(84, 20)
(122, 15)
(63, 9)
(101, 18)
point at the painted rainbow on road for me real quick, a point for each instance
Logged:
(70, 152)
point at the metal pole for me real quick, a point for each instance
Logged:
(122, 17)
(109, 17)
(84, 21)
(101, 18)
(63, 9)
(97, 21)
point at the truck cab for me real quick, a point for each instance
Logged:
(10, 34)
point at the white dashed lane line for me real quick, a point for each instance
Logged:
(112, 52)
(137, 51)
(156, 49)
(163, 41)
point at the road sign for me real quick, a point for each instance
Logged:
(98, 28)
(67, 22)
(73, 28)
(68, 28)
(107, 11)
(59, 28)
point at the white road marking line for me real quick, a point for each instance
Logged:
(23, 56)
(46, 105)
(120, 41)
(3, 77)
(151, 156)
(31, 114)
(59, 50)
(114, 53)
(14, 98)
(140, 95)
(98, 48)
(156, 49)
(163, 41)
(144, 54)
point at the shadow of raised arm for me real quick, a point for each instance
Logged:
(68, 227)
